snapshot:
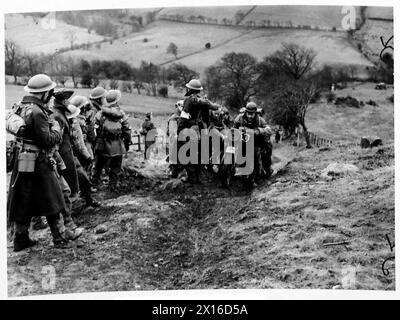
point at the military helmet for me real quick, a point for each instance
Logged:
(72, 111)
(39, 83)
(79, 101)
(113, 96)
(194, 84)
(251, 107)
(97, 93)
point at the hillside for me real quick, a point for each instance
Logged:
(40, 35)
(151, 42)
(345, 124)
(323, 17)
(331, 47)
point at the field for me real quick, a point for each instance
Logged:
(218, 13)
(331, 47)
(298, 230)
(132, 103)
(39, 36)
(345, 124)
(324, 17)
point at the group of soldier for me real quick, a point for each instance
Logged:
(65, 143)
(197, 111)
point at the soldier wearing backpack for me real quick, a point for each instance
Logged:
(113, 134)
(89, 110)
(34, 186)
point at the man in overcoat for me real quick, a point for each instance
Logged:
(34, 185)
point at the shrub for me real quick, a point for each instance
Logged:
(391, 98)
(347, 101)
(371, 103)
(163, 91)
(145, 40)
(330, 97)
(208, 45)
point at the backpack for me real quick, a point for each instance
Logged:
(14, 121)
(111, 128)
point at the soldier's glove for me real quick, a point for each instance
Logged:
(257, 132)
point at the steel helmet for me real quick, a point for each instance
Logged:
(97, 93)
(113, 96)
(79, 101)
(194, 84)
(72, 111)
(39, 83)
(251, 107)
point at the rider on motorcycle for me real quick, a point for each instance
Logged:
(195, 113)
(262, 142)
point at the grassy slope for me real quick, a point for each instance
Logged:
(30, 34)
(191, 38)
(350, 124)
(321, 16)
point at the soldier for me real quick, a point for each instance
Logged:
(60, 108)
(113, 135)
(148, 131)
(172, 125)
(196, 112)
(252, 120)
(34, 186)
(83, 104)
(90, 110)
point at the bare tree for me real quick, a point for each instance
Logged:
(13, 58)
(293, 60)
(72, 69)
(236, 75)
(291, 103)
(71, 36)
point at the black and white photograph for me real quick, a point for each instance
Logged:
(199, 147)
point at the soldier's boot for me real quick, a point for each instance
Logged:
(61, 235)
(68, 221)
(21, 237)
(38, 223)
(90, 202)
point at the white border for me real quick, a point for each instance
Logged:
(52, 5)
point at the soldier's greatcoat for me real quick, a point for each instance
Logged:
(36, 193)
(70, 175)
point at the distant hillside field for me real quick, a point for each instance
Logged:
(34, 34)
(321, 16)
(379, 13)
(219, 12)
(331, 47)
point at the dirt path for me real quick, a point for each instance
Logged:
(165, 235)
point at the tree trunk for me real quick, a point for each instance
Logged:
(15, 79)
(306, 136)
